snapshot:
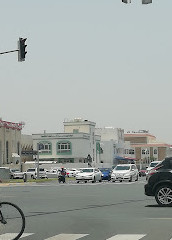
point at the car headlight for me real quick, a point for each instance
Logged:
(102, 174)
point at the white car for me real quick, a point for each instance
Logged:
(53, 173)
(32, 173)
(72, 172)
(89, 174)
(16, 173)
(125, 172)
(150, 167)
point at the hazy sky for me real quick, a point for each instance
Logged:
(100, 60)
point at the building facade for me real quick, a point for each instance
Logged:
(10, 142)
(78, 143)
(112, 144)
(145, 148)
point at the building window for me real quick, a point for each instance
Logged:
(64, 147)
(145, 151)
(155, 151)
(131, 151)
(45, 148)
(75, 130)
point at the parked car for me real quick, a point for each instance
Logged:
(32, 173)
(53, 173)
(159, 183)
(106, 173)
(125, 172)
(151, 166)
(71, 172)
(16, 174)
(142, 172)
(89, 174)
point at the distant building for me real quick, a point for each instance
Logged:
(145, 148)
(112, 144)
(10, 142)
(26, 145)
(78, 143)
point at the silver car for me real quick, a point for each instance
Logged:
(16, 173)
(125, 172)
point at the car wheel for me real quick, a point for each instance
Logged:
(100, 180)
(131, 179)
(113, 180)
(163, 195)
(120, 180)
(32, 177)
(85, 181)
(94, 180)
(77, 181)
(137, 178)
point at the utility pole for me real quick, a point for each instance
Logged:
(37, 161)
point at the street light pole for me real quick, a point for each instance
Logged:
(37, 161)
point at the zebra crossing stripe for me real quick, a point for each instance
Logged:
(8, 236)
(127, 237)
(67, 237)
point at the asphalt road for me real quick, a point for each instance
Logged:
(101, 211)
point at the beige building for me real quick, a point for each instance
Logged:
(145, 148)
(10, 142)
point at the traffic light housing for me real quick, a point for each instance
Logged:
(22, 49)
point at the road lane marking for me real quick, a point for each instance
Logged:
(67, 237)
(127, 237)
(8, 236)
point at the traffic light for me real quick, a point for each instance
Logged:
(22, 49)
(126, 1)
(143, 1)
(146, 1)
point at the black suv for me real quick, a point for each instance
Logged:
(160, 183)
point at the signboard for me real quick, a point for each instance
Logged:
(17, 126)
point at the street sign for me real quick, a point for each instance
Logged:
(29, 152)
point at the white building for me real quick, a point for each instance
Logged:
(112, 144)
(78, 143)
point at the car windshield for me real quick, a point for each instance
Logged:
(15, 170)
(153, 164)
(87, 170)
(41, 170)
(122, 168)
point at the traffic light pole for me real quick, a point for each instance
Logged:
(37, 160)
(9, 51)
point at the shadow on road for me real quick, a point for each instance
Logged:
(33, 214)
(156, 206)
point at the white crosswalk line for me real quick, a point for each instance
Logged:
(8, 236)
(67, 237)
(127, 237)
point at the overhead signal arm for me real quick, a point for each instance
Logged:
(143, 1)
